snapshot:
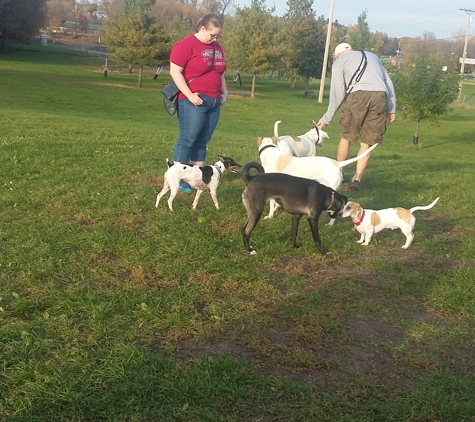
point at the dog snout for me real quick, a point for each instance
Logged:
(236, 168)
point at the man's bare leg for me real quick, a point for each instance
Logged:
(343, 150)
(362, 162)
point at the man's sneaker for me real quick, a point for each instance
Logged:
(185, 187)
(354, 185)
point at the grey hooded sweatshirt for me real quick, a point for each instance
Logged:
(374, 78)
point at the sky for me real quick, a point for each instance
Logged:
(397, 18)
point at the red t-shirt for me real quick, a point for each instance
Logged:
(195, 58)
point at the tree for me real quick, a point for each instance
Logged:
(385, 45)
(250, 42)
(136, 37)
(424, 90)
(359, 36)
(21, 18)
(59, 11)
(303, 41)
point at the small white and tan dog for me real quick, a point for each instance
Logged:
(368, 222)
(199, 178)
(303, 145)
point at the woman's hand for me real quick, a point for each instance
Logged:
(195, 99)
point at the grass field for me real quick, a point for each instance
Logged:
(114, 310)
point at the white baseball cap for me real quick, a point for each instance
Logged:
(342, 47)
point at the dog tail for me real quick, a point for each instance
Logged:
(248, 166)
(425, 208)
(352, 160)
(276, 132)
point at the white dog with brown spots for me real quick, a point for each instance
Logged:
(321, 169)
(303, 145)
(369, 222)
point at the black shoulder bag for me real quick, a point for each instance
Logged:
(171, 91)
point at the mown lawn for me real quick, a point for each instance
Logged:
(114, 310)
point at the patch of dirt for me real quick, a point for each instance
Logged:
(377, 346)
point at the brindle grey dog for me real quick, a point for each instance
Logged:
(296, 195)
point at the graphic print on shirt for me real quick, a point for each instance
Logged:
(208, 55)
(218, 56)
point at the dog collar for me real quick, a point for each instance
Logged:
(357, 223)
(267, 146)
(217, 168)
(331, 202)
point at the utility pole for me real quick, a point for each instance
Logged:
(462, 68)
(325, 57)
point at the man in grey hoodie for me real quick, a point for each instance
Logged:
(361, 79)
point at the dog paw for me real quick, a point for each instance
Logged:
(253, 252)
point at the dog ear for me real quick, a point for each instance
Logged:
(259, 141)
(221, 158)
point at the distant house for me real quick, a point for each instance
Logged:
(100, 14)
(95, 26)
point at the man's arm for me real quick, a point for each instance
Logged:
(391, 95)
(337, 94)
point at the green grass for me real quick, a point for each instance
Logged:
(113, 310)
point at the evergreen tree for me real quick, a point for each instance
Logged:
(359, 36)
(250, 42)
(21, 18)
(303, 41)
(136, 37)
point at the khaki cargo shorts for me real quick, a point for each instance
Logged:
(364, 116)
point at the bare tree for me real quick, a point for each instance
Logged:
(58, 11)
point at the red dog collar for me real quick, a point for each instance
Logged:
(357, 223)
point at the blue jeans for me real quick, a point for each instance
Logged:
(197, 124)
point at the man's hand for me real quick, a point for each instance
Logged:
(391, 117)
(321, 124)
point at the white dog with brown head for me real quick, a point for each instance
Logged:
(368, 222)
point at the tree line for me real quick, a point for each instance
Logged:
(256, 42)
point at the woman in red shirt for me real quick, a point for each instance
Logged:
(197, 66)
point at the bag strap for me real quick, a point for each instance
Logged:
(358, 73)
